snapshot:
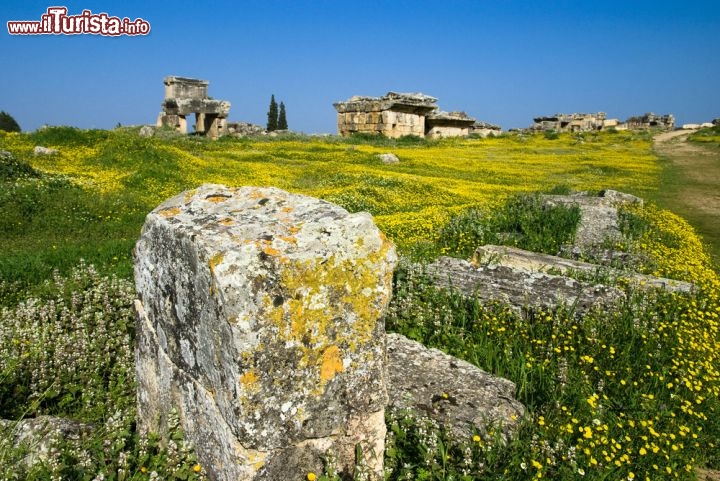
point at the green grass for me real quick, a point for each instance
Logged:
(628, 392)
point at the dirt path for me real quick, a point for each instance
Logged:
(691, 186)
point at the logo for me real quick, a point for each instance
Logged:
(57, 22)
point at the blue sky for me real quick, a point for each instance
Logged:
(500, 61)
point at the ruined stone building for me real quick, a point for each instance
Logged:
(484, 129)
(650, 121)
(186, 96)
(397, 114)
(574, 122)
(599, 121)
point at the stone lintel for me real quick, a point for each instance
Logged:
(184, 106)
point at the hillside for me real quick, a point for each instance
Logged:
(627, 391)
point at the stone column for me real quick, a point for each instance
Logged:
(200, 123)
(260, 320)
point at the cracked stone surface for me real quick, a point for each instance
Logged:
(260, 319)
(456, 394)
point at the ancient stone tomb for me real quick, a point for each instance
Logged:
(186, 96)
(397, 114)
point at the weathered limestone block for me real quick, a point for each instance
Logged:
(261, 320)
(533, 262)
(518, 287)
(598, 215)
(459, 396)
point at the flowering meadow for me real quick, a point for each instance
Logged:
(630, 392)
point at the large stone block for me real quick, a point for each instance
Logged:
(261, 320)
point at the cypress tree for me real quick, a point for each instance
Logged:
(8, 123)
(282, 120)
(272, 122)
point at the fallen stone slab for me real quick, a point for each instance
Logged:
(456, 394)
(261, 320)
(513, 257)
(520, 288)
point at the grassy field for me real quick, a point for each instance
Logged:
(628, 393)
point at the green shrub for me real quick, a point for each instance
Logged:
(551, 134)
(8, 123)
(12, 169)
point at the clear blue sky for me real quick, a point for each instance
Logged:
(500, 61)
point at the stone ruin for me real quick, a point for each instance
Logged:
(186, 96)
(574, 122)
(485, 129)
(397, 114)
(599, 121)
(527, 280)
(260, 320)
(651, 121)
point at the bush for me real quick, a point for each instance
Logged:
(8, 123)
(551, 135)
(12, 169)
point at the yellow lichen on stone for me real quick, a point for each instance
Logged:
(331, 363)
(227, 221)
(216, 199)
(170, 211)
(249, 378)
(271, 251)
(215, 260)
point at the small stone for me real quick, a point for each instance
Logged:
(39, 150)
(388, 158)
(146, 131)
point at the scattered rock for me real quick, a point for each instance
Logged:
(39, 435)
(690, 126)
(146, 131)
(518, 287)
(388, 158)
(533, 262)
(243, 129)
(458, 395)
(39, 150)
(261, 320)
